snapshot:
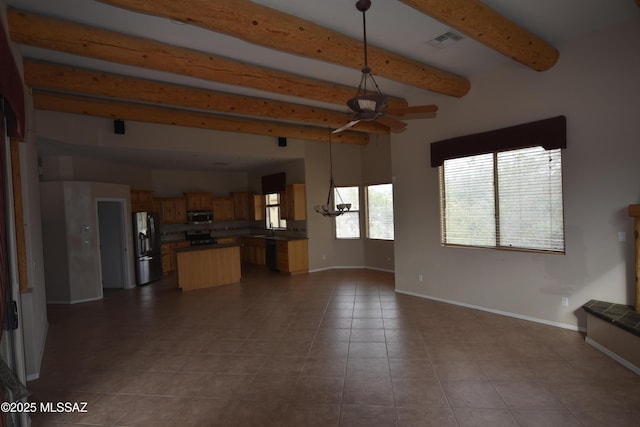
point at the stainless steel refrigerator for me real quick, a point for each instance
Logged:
(148, 253)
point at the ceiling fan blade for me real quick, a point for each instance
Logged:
(392, 123)
(416, 109)
(347, 126)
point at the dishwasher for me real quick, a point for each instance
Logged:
(271, 254)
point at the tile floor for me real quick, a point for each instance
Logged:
(334, 348)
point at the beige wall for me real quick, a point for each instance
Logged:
(595, 85)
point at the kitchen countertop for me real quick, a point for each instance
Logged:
(205, 247)
(268, 237)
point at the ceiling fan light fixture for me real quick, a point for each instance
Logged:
(331, 208)
(367, 104)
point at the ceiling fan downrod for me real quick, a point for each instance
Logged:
(363, 6)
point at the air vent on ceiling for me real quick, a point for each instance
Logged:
(445, 40)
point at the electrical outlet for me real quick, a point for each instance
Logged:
(565, 302)
(420, 277)
(324, 257)
(622, 236)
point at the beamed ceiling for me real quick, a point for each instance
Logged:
(278, 67)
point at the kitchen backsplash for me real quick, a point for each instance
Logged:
(176, 232)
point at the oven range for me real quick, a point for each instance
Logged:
(200, 237)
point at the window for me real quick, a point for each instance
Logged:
(506, 199)
(380, 211)
(273, 220)
(348, 224)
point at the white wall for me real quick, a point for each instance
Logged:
(595, 85)
(70, 238)
(173, 183)
(33, 302)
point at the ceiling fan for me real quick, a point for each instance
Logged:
(371, 104)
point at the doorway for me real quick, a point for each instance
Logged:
(113, 252)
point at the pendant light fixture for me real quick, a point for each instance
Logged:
(331, 208)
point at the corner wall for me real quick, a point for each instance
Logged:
(595, 85)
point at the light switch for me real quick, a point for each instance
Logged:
(622, 236)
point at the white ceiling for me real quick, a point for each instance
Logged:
(390, 24)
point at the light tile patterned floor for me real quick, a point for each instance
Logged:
(334, 348)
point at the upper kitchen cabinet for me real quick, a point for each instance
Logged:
(248, 205)
(241, 204)
(199, 201)
(293, 203)
(141, 201)
(257, 207)
(173, 210)
(223, 208)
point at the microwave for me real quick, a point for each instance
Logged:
(199, 217)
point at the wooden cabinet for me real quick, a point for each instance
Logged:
(173, 210)
(199, 201)
(293, 202)
(257, 207)
(293, 256)
(142, 201)
(253, 251)
(208, 266)
(169, 254)
(224, 240)
(248, 205)
(223, 208)
(242, 202)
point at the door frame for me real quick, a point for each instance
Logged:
(125, 232)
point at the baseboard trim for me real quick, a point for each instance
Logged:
(494, 311)
(614, 356)
(75, 301)
(350, 267)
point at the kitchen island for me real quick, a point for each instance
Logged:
(208, 265)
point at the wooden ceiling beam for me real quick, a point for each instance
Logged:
(62, 78)
(268, 27)
(78, 39)
(483, 24)
(43, 100)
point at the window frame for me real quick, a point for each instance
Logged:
(350, 212)
(496, 222)
(282, 223)
(368, 213)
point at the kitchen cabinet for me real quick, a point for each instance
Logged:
(226, 240)
(292, 256)
(293, 202)
(257, 207)
(142, 201)
(207, 266)
(223, 208)
(248, 205)
(168, 251)
(253, 250)
(173, 210)
(199, 201)
(241, 205)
